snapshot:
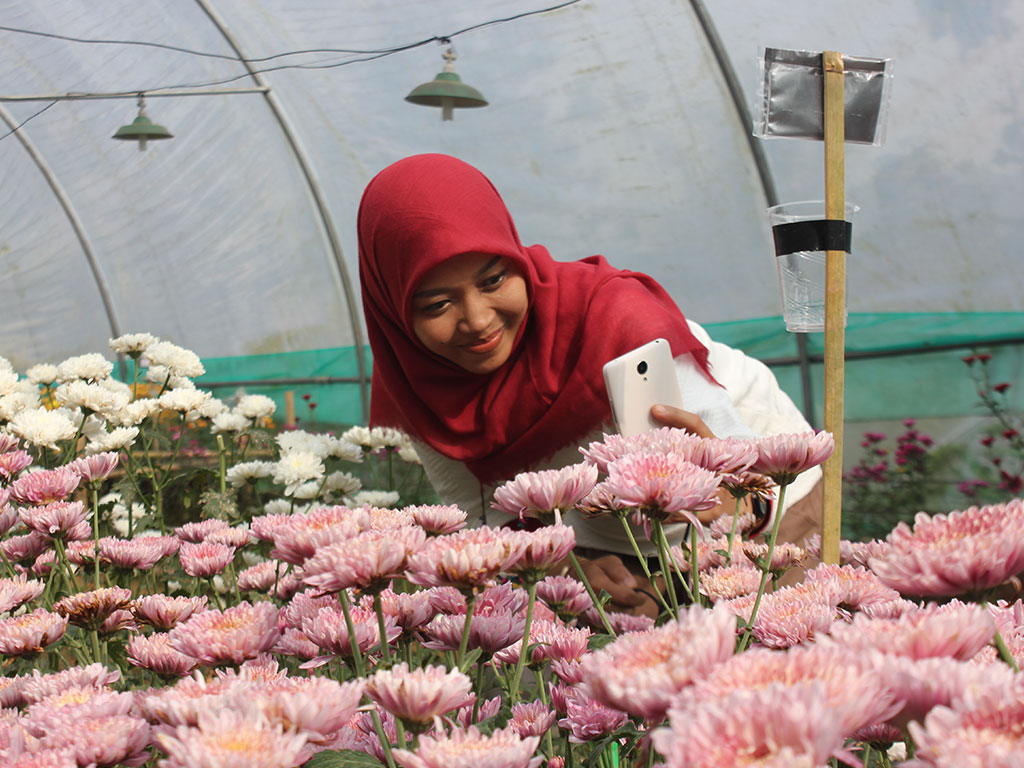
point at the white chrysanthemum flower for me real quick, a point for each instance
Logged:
(93, 428)
(277, 507)
(5, 364)
(343, 483)
(383, 499)
(358, 435)
(340, 448)
(296, 468)
(115, 440)
(139, 410)
(408, 454)
(42, 427)
(387, 437)
(184, 400)
(91, 367)
(229, 422)
(8, 382)
(42, 373)
(132, 344)
(114, 385)
(307, 491)
(212, 408)
(256, 406)
(91, 397)
(179, 361)
(242, 473)
(159, 374)
(119, 514)
(300, 440)
(15, 403)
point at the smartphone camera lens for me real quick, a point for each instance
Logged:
(641, 367)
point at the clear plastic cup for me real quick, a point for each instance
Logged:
(802, 274)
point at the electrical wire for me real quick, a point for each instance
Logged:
(18, 127)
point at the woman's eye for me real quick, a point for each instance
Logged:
(435, 308)
(494, 280)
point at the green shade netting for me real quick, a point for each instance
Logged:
(914, 383)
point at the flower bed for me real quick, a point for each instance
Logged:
(272, 612)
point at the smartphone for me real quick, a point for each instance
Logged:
(637, 380)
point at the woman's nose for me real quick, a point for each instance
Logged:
(476, 314)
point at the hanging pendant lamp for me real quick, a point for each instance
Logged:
(447, 90)
(142, 129)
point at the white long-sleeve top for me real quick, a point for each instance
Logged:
(749, 403)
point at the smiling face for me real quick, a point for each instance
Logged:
(469, 310)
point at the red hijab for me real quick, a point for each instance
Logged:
(424, 209)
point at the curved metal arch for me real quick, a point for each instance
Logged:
(314, 188)
(73, 219)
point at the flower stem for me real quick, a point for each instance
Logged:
(385, 649)
(96, 535)
(666, 570)
(694, 575)
(1004, 652)
(531, 598)
(357, 657)
(464, 642)
(590, 591)
(765, 570)
(643, 563)
(732, 530)
(223, 463)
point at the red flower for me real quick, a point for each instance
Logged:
(1002, 387)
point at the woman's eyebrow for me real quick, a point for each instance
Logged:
(437, 291)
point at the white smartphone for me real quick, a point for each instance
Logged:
(637, 380)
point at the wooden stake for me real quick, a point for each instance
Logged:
(835, 303)
(289, 408)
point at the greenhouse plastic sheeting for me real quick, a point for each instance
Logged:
(610, 129)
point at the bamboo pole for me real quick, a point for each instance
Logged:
(835, 302)
(289, 408)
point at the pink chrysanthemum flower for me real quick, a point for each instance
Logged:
(12, 462)
(293, 642)
(263, 526)
(43, 758)
(26, 548)
(30, 633)
(10, 693)
(784, 557)
(118, 621)
(363, 561)
(8, 514)
(141, 553)
(663, 440)
(639, 673)
(316, 706)
(197, 531)
(709, 555)
(411, 610)
(240, 632)
(546, 494)
(794, 615)
(856, 588)
(621, 622)
(465, 559)
(775, 727)
(471, 749)
(57, 519)
(855, 693)
(75, 703)
(490, 633)
(587, 719)
(945, 555)
(96, 467)
(204, 559)
(531, 719)
(986, 728)
(103, 741)
(437, 519)
(305, 605)
(329, 630)
(154, 652)
(233, 537)
(955, 630)
(729, 581)
(164, 612)
(181, 703)
(45, 486)
(551, 640)
(542, 549)
(18, 591)
(302, 535)
(727, 456)
(90, 609)
(663, 486)
(226, 738)
(39, 686)
(566, 596)
(487, 708)
(783, 457)
(386, 519)
(418, 696)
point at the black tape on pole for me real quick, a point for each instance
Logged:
(818, 235)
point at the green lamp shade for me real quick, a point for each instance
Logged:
(142, 129)
(447, 91)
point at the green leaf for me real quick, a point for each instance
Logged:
(469, 660)
(597, 642)
(343, 758)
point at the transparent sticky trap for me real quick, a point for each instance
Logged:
(792, 96)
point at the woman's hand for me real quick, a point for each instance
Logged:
(677, 417)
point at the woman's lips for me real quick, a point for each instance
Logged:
(486, 345)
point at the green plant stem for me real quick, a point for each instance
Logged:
(478, 688)
(765, 570)
(223, 464)
(1004, 652)
(385, 649)
(524, 651)
(867, 755)
(663, 558)
(382, 737)
(732, 530)
(643, 563)
(7, 564)
(464, 642)
(357, 656)
(590, 591)
(696, 596)
(96, 656)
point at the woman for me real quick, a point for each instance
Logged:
(489, 353)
